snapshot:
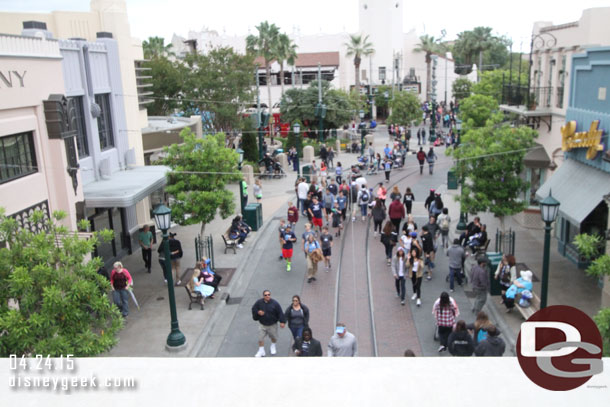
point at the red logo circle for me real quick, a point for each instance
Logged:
(551, 364)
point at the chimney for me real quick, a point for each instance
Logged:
(36, 29)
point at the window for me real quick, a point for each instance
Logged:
(17, 156)
(81, 128)
(104, 122)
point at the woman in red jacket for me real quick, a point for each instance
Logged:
(120, 280)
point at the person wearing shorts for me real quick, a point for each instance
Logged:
(327, 243)
(268, 313)
(288, 239)
(315, 209)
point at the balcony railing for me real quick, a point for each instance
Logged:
(559, 103)
(543, 96)
(514, 95)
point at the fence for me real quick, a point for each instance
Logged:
(505, 242)
(204, 247)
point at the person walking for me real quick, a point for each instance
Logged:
(427, 242)
(456, 255)
(493, 345)
(431, 157)
(120, 281)
(331, 157)
(387, 168)
(396, 211)
(416, 273)
(371, 151)
(145, 240)
(399, 267)
(342, 343)
(267, 312)
(175, 249)
(389, 237)
(297, 317)
(307, 345)
(480, 284)
(444, 222)
(329, 202)
(258, 190)
(339, 173)
(381, 193)
(378, 212)
(363, 201)
(315, 210)
(302, 191)
(288, 238)
(460, 342)
(421, 157)
(314, 255)
(293, 215)
(408, 199)
(326, 240)
(445, 311)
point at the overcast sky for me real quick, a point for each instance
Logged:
(235, 17)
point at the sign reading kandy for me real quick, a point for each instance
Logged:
(591, 139)
(560, 348)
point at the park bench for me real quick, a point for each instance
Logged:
(229, 243)
(194, 297)
(531, 310)
(480, 250)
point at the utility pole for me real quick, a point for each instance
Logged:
(371, 99)
(320, 108)
(260, 119)
(446, 61)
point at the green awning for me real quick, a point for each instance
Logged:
(537, 158)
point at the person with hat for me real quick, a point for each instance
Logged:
(480, 283)
(519, 285)
(342, 343)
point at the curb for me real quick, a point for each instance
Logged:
(493, 312)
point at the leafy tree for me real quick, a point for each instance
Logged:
(429, 45)
(461, 88)
(167, 80)
(265, 45)
(479, 42)
(383, 97)
(405, 109)
(219, 82)
(200, 171)
(249, 142)
(491, 82)
(478, 111)
(286, 50)
(490, 160)
(61, 304)
(358, 47)
(591, 247)
(155, 47)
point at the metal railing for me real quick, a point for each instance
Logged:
(505, 242)
(543, 95)
(514, 95)
(559, 102)
(204, 247)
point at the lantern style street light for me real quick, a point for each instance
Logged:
(176, 339)
(549, 207)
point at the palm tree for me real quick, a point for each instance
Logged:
(429, 45)
(359, 47)
(482, 41)
(265, 45)
(286, 51)
(155, 47)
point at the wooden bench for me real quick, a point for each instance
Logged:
(194, 297)
(229, 243)
(531, 310)
(481, 249)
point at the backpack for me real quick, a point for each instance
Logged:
(445, 223)
(365, 196)
(482, 335)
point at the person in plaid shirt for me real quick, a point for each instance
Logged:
(445, 311)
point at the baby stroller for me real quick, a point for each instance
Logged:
(372, 168)
(278, 171)
(362, 162)
(397, 161)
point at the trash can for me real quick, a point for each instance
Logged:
(452, 181)
(494, 259)
(307, 172)
(253, 215)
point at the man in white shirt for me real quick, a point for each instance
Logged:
(302, 190)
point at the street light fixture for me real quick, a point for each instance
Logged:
(241, 158)
(296, 128)
(549, 207)
(176, 339)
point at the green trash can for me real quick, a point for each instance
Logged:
(494, 258)
(452, 181)
(253, 215)
(307, 172)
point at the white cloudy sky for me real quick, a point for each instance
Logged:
(513, 18)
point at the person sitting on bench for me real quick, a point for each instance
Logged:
(478, 239)
(209, 276)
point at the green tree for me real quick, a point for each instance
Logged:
(358, 47)
(491, 82)
(265, 45)
(200, 171)
(382, 98)
(592, 247)
(249, 142)
(429, 45)
(167, 85)
(405, 109)
(490, 160)
(479, 42)
(286, 50)
(60, 303)
(219, 82)
(461, 88)
(155, 47)
(478, 111)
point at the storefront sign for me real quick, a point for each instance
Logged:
(591, 139)
(12, 79)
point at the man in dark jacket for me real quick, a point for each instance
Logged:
(480, 284)
(307, 346)
(175, 249)
(493, 345)
(460, 342)
(427, 242)
(268, 313)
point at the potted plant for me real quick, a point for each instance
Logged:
(532, 102)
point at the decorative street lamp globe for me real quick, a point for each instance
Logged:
(163, 217)
(241, 157)
(296, 128)
(362, 115)
(549, 207)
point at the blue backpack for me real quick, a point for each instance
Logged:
(482, 335)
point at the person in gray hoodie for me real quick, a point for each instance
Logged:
(342, 343)
(493, 345)
(456, 255)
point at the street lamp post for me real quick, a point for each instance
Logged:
(362, 132)
(176, 339)
(463, 215)
(243, 187)
(549, 207)
(296, 128)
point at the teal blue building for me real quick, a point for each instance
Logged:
(582, 183)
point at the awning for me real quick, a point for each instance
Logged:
(125, 188)
(579, 188)
(537, 158)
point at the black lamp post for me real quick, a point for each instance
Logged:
(549, 207)
(296, 128)
(243, 187)
(362, 132)
(163, 217)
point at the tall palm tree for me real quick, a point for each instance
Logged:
(265, 45)
(359, 47)
(429, 45)
(155, 47)
(482, 41)
(286, 51)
